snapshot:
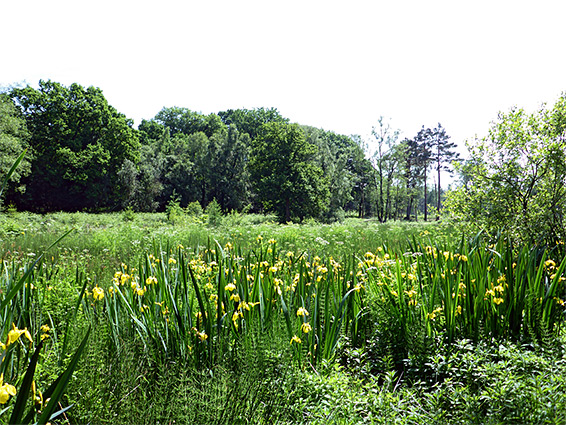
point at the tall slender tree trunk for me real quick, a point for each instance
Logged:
(438, 195)
(425, 196)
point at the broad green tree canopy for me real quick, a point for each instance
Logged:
(516, 177)
(287, 180)
(79, 143)
(13, 140)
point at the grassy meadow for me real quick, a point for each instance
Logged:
(167, 318)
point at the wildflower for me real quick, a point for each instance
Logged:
(151, 280)
(411, 293)
(306, 327)
(259, 238)
(335, 264)
(459, 310)
(302, 312)
(295, 339)
(235, 298)
(464, 258)
(98, 293)
(6, 390)
(434, 313)
(172, 261)
(550, 264)
(230, 287)
(45, 328)
(202, 335)
(497, 300)
(235, 317)
(273, 269)
(141, 291)
(15, 334)
(271, 241)
(37, 396)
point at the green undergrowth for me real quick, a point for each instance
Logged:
(247, 321)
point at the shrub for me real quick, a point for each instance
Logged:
(194, 209)
(214, 213)
(175, 213)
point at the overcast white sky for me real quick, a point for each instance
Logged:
(335, 65)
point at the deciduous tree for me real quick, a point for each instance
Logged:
(516, 178)
(79, 142)
(286, 178)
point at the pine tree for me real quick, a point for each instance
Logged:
(443, 155)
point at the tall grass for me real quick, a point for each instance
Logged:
(476, 291)
(196, 307)
(28, 329)
(182, 314)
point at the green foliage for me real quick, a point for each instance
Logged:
(194, 209)
(128, 214)
(175, 214)
(372, 355)
(287, 180)
(21, 307)
(515, 177)
(79, 144)
(198, 308)
(13, 140)
(182, 120)
(250, 121)
(214, 213)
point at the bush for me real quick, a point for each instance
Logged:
(514, 179)
(128, 214)
(194, 209)
(214, 213)
(175, 214)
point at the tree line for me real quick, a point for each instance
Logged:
(84, 155)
